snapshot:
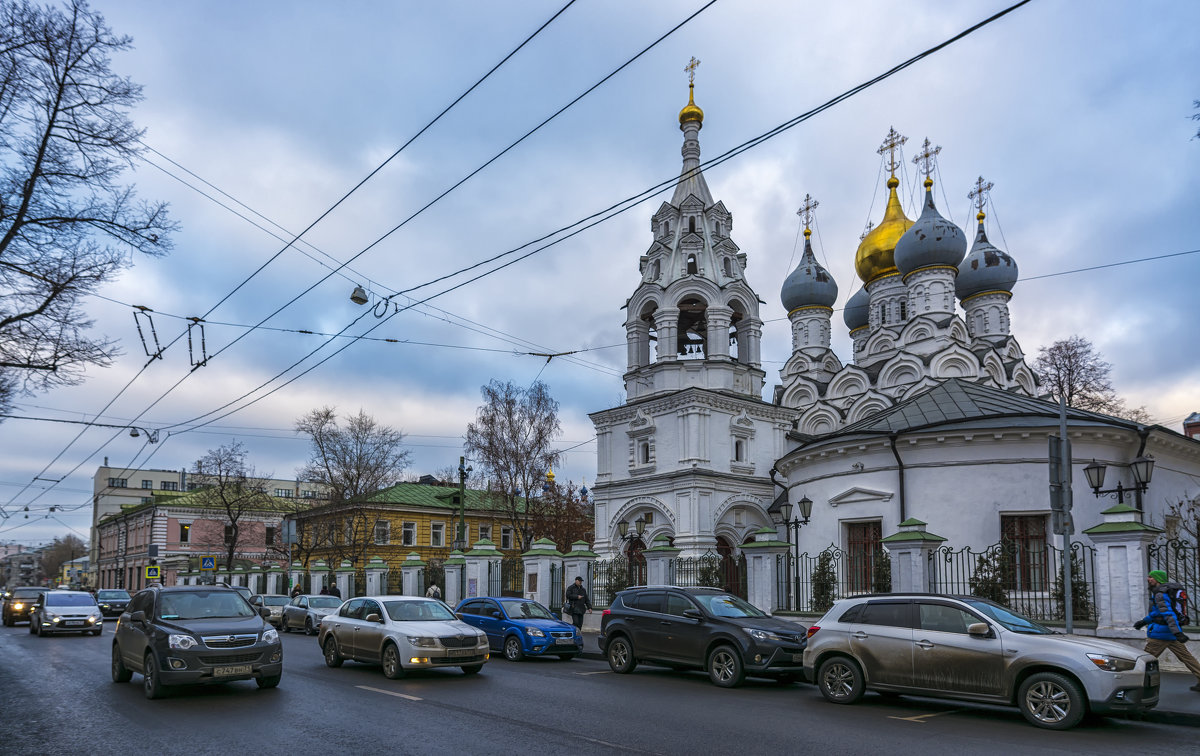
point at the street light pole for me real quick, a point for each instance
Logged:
(793, 528)
(460, 541)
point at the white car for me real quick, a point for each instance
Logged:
(401, 633)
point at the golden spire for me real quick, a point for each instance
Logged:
(875, 257)
(806, 213)
(926, 159)
(690, 112)
(978, 195)
(891, 144)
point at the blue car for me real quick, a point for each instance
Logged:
(521, 628)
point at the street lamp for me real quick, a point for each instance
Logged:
(639, 526)
(1142, 467)
(792, 530)
(151, 435)
(460, 542)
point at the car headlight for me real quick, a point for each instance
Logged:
(270, 635)
(422, 642)
(181, 642)
(764, 635)
(18, 606)
(534, 632)
(1112, 663)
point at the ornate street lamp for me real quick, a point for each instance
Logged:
(1142, 467)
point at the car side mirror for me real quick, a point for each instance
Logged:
(264, 612)
(138, 617)
(979, 629)
(496, 613)
(373, 617)
(693, 613)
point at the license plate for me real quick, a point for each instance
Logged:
(240, 669)
(460, 652)
(797, 657)
(73, 623)
(565, 641)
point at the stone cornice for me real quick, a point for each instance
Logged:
(692, 396)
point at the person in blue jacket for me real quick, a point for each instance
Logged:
(1164, 632)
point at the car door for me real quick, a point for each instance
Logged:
(649, 624)
(368, 636)
(882, 639)
(131, 636)
(684, 638)
(486, 620)
(295, 612)
(946, 658)
(343, 625)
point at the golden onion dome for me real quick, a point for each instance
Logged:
(690, 112)
(875, 256)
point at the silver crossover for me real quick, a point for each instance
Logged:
(972, 649)
(402, 633)
(306, 610)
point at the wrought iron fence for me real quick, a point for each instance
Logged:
(556, 588)
(512, 577)
(1181, 561)
(1022, 576)
(811, 583)
(609, 577)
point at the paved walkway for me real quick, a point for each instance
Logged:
(1176, 704)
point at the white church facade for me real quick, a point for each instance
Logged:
(936, 415)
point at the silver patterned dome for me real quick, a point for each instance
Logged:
(809, 284)
(856, 313)
(932, 240)
(985, 268)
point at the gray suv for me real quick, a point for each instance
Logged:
(968, 648)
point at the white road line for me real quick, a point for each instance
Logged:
(920, 718)
(601, 672)
(389, 693)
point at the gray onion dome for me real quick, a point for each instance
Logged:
(856, 313)
(986, 268)
(809, 284)
(931, 240)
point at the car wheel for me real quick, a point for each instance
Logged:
(35, 626)
(1052, 701)
(841, 680)
(332, 657)
(472, 669)
(392, 668)
(271, 681)
(308, 626)
(725, 667)
(284, 627)
(119, 673)
(98, 631)
(151, 681)
(620, 655)
(512, 649)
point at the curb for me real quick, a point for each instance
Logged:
(1178, 718)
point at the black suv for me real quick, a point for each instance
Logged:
(700, 628)
(18, 604)
(194, 635)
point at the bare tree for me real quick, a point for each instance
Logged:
(1072, 368)
(61, 551)
(511, 439)
(67, 223)
(563, 516)
(229, 484)
(354, 461)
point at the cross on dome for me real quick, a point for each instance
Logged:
(926, 159)
(979, 195)
(806, 212)
(867, 230)
(691, 67)
(891, 143)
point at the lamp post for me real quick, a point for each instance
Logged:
(1142, 467)
(793, 535)
(460, 541)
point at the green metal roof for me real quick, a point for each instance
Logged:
(433, 497)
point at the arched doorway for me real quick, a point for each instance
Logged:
(732, 566)
(636, 561)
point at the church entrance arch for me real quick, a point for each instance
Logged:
(732, 566)
(636, 561)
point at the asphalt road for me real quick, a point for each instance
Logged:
(56, 697)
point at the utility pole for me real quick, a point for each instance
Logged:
(460, 541)
(1060, 505)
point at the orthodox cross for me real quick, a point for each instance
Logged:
(979, 194)
(806, 212)
(867, 230)
(891, 143)
(926, 159)
(691, 70)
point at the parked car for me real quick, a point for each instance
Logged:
(19, 603)
(274, 602)
(521, 628)
(306, 610)
(700, 628)
(968, 648)
(112, 601)
(194, 635)
(66, 612)
(401, 633)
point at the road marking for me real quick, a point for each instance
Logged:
(389, 692)
(600, 672)
(920, 718)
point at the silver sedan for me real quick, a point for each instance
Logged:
(306, 610)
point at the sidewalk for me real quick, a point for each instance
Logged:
(1176, 704)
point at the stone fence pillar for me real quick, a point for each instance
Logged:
(481, 562)
(762, 569)
(541, 561)
(410, 575)
(910, 550)
(580, 561)
(377, 571)
(660, 562)
(274, 578)
(452, 591)
(344, 579)
(1122, 596)
(296, 573)
(317, 576)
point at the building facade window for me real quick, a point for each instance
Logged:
(864, 549)
(185, 532)
(147, 483)
(228, 534)
(270, 537)
(118, 482)
(285, 493)
(169, 485)
(506, 538)
(147, 499)
(485, 533)
(383, 532)
(437, 534)
(1024, 539)
(409, 534)
(308, 494)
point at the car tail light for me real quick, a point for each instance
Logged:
(812, 631)
(605, 613)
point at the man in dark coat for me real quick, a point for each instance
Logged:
(577, 602)
(1163, 631)
(335, 591)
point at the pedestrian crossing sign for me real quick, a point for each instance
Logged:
(152, 572)
(208, 563)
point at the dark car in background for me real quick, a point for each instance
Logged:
(19, 603)
(112, 601)
(274, 602)
(194, 635)
(66, 612)
(521, 627)
(700, 628)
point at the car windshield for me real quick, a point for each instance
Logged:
(26, 593)
(69, 599)
(275, 600)
(418, 611)
(1011, 620)
(527, 610)
(112, 595)
(192, 605)
(726, 605)
(324, 602)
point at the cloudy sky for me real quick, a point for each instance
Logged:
(260, 116)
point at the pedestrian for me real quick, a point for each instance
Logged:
(324, 591)
(434, 592)
(297, 590)
(1164, 632)
(335, 591)
(577, 602)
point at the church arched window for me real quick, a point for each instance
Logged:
(692, 267)
(692, 224)
(728, 265)
(903, 311)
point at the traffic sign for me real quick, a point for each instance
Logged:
(208, 563)
(152, 572)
